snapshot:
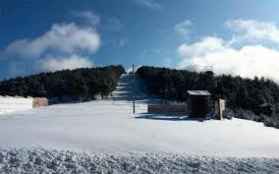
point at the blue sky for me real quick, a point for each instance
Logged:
(39, 35)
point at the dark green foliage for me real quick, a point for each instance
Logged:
(173, 84)
(67, 85)
(240, 93)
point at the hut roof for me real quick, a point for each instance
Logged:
(198, 92)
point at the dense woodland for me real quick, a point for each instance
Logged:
(259, 95)
(65, 86)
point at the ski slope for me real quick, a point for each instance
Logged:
(106, 137)
(110, 127)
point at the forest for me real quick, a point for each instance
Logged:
(254, 99)
(65, 86)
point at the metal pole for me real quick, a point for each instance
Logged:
(134, 85)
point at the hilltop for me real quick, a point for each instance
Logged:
(77, 85)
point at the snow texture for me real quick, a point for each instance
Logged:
(51, 161)
(110, 127)
(12, 104)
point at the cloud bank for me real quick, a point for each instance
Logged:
(62, 47)
(254, 31)
(251, 57)
(62, 63)
(62, 38)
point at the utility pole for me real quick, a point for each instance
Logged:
(134, 86)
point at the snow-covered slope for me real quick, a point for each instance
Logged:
(110, 127)
(129, 89)
(105, 137)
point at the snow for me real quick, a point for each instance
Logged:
(106, 137)
(110, 127)
(11, 104)
(51, 161)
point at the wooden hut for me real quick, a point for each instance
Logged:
(198, 103)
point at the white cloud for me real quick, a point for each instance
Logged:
(62, 63)
(197, 49)
(59, 48)
(253, 31)
(251, 52)
(183, 28)
(152, 4)
(246, 61)
(90, 17)
(62, 38)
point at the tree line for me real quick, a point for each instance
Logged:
(259, 95)
(66, 85)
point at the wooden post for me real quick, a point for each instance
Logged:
(221, 108)
(134, 106)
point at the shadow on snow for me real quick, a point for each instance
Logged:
(169, 117)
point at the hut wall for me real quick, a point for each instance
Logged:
(199, 106)
(167, 108)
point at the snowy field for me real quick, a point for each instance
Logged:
(109, 127)
(12, 104)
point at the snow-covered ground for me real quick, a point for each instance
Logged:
(105, 137)
(61, 162)
(12, 104)
(110, 127)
